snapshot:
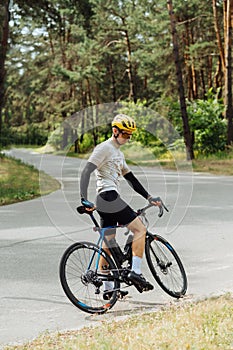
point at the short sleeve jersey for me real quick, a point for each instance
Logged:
(111, 164)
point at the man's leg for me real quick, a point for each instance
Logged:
(108, 285)
(102, 261)
(139, 231)
(103, 265)
(138, 247)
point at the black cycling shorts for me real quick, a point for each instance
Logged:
(113, 210)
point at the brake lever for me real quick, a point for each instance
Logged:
(161, 211)
(164, 206)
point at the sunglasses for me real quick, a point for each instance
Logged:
(125, 135)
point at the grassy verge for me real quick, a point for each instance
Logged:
(212, 166)
(19, 181)
(205, 325)
(219, 164)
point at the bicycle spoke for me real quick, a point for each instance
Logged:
(166, 266)
(82, 283)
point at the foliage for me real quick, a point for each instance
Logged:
(32, 134)
(153, 130)
(65, 56)
(206, 122)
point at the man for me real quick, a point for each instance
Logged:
(109, 164)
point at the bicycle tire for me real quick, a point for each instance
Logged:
(166, 266)
(78, 286)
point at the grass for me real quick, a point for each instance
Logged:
(204, 325)
(20, 182)
(219, 164)
(214, 166)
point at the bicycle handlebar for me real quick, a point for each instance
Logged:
(161, 209)
(82, 209)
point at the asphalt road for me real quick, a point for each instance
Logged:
(34, 234)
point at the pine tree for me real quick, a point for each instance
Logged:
(4, 29)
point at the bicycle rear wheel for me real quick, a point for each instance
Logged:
(83, 282)
(166, 266)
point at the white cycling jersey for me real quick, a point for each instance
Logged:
(111, 164)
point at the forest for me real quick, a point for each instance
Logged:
(173, 57)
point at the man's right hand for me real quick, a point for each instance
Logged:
(155, 201)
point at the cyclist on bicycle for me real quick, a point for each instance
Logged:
(109, 164)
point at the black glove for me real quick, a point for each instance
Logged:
(154, 199)
(161, 206)
(87, 204)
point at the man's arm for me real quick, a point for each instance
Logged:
(136, 185)
(85, 178)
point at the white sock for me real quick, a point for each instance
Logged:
(136, 264)
(108, 285)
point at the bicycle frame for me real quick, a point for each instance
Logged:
(102, 238)
(102, 231)
(99, 244)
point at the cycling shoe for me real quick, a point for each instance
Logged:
(140, 282)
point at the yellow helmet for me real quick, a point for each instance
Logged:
(124, 122)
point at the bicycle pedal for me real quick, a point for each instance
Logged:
(142, 289)
(147, 288)
(122, 293)
(138, 287)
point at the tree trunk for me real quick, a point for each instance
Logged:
(187, 134)
(228, 75)
(218, 77)
(210, 69)
(194, 81)
(132, 89)
(203, 85)
(218, 36)
(4, 31)
(113, 80)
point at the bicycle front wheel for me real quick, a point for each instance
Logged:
(82, 280)
(166, 266)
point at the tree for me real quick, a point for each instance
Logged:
(67, 55)
(225, 52)
(228, 74)
(4, 30)
(187, 134)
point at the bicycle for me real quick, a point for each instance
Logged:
(82, 279)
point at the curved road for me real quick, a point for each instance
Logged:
(34, 234)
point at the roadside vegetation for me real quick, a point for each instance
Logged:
(20, 182)
(204, 325)
(219, 163)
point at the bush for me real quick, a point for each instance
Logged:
(206, 123)
(213, 139)
(31, 134)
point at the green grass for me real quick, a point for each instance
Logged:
(219, 164)
(205, 325)
(20, 182)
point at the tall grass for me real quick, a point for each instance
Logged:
(206, 325)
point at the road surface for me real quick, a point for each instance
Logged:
(34, 234)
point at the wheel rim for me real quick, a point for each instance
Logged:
(167, 267)
(85, 287)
